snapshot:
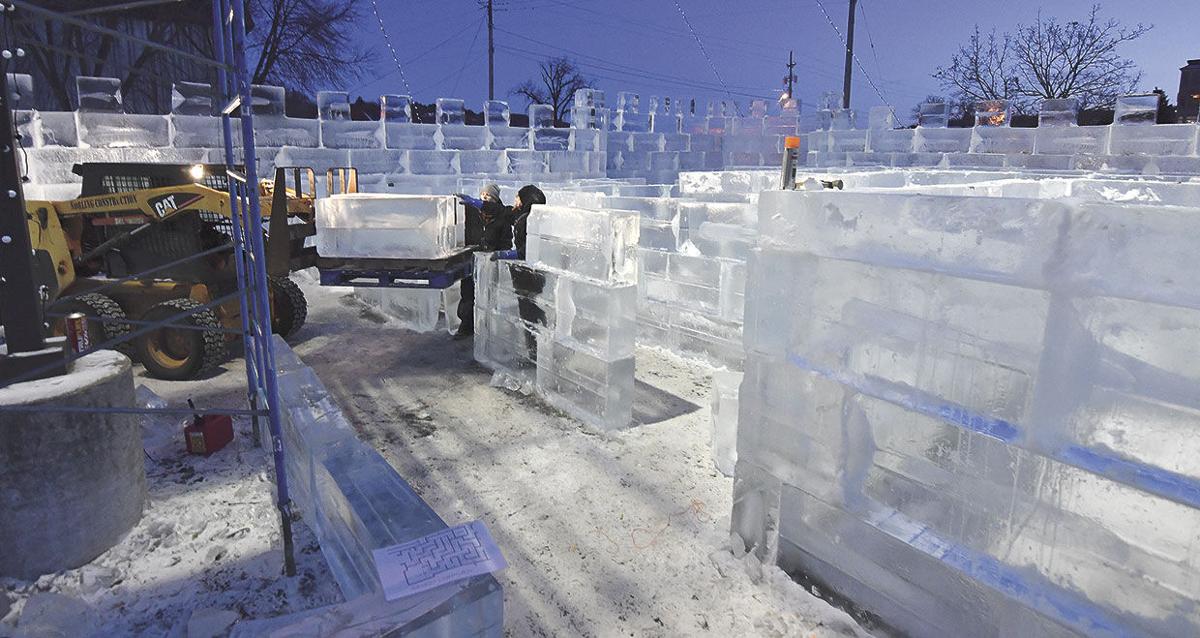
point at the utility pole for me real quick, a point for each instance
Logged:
(491, 56)
(791, 76)
(849, 55)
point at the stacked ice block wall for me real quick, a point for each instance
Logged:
(1133, 144)
(356, 503)
(653, 141)
(564, 320)
(975, 415)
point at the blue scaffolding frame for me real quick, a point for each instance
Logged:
(234, 96)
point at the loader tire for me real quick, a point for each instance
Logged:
(289, 308)
(180, 354)
(106, 320)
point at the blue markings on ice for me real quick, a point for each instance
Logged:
(1025, 586)
(1155, 480)
(443, 557)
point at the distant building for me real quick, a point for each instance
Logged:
(1189, 91)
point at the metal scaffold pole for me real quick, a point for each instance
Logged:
(249, 249)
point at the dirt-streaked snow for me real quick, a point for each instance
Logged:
(605, 534)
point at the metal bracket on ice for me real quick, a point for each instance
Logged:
(436, 559)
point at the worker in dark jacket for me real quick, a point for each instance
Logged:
(527, 282)
(488, 226)
(522, 205)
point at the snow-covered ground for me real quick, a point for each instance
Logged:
(605, 534)
(206, 553)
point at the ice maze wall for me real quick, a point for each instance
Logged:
(974, 413)
(1133, 144)
(563, 321)
(652, 142)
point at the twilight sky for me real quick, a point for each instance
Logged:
(645, 45)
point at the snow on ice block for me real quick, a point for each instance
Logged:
(460, 137)
(726, 185)
(550, 139)
(916, 385)
(280, 130)
(599, 244)
(122, 130)
(387, 226)
(504, 137)
(596, 391)
(356, 503)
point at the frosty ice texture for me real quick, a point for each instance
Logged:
(356, 503)
(102, 122)
(725, 386)
(543, 135)
(599, 244)
(949, 402)
(933, 115)
(338, 130)
(569, 337)
(415, 309)
(272, 126)
(452, 130)
(388, 226)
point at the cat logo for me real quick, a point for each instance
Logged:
(164, 205)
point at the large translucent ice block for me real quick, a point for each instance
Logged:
(725, 419)
(596, 391)
(387, 226)
(1139, 110)
(588, 315)
(461, 137)
(1160, 139)
(102, 122)
(339, 130)
(356, 503)
(599, 244)
(414, 309)
(1072, 140)
(1058, 112)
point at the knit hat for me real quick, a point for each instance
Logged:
(491, 191)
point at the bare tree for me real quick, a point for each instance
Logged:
(1047, 59)
(297, 43)
(556, 86)
(302, 43)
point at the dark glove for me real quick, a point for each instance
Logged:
(504, 254)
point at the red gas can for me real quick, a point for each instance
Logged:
(208, 433)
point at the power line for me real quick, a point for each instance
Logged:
(467, 60)
(711, 64)
(862, 8)
(856, 60)
(388, 41)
